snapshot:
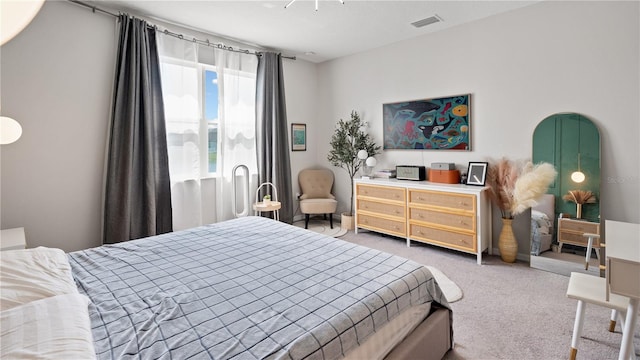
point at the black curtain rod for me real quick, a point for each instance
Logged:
(180, 36)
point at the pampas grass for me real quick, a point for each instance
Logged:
(531, 185)
(517, 185)
(580, 197)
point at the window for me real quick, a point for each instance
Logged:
(191, 156)
(209, 113)
(211, 117)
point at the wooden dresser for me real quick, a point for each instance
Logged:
(449, 215)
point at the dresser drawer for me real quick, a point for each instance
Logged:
(579, 226)
(382, 225)
(443, 199)
(445, 238)
(381, 208)
(461, 221)
(387, 193)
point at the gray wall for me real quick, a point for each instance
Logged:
(519, 67)
(56, 81)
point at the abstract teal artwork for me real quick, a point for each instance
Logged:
(430, 124)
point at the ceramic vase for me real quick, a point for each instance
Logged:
(578, 211)
(507, 243)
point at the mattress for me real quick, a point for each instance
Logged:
(248, 288)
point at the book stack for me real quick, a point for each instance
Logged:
(385, 173)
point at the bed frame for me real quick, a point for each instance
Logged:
(431, 340)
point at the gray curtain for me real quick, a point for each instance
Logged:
(138, 192)
(272, 139)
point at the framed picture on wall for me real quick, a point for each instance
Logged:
(298, 137)
(430, 124)
(477, 173)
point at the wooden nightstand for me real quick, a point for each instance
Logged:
(572, 231)
(12, 239)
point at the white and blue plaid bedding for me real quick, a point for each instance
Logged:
(248, 288)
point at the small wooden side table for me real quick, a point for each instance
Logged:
(261, 207)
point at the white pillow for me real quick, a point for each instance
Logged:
(56, 327)
(33, 274)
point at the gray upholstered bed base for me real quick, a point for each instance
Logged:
(429, 341)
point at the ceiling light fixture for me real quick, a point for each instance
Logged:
(292, 1)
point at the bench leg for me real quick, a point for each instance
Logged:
(577, 329)
(626, 347)
(612, 322)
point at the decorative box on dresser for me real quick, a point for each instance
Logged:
(453, 216)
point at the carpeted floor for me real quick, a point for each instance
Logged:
(508, 311)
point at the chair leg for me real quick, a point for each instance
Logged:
(331, 220)
(577, 329)
(626, 348)
(324, 216)
(306, 221)
(612, 322)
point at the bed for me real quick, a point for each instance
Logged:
(251, 288)
(542, 217)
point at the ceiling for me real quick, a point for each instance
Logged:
(335, 30)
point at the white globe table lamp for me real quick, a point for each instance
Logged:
(10, 130)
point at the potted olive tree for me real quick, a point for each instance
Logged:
(349, 138)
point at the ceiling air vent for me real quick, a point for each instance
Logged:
(427, 21)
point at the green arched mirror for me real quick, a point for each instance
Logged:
(571, 142)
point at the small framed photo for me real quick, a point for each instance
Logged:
(477, 173)
(298, 137)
